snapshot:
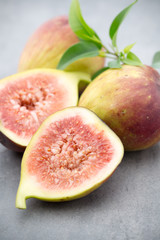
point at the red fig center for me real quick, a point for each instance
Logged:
(30, 98)
(69, 153)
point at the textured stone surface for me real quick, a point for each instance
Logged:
(127, 206)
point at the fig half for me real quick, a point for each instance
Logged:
(72, 153)
(28, 98)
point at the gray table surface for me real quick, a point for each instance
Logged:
(127, 206)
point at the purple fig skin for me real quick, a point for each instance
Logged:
(128, 101)
(47, 45)
(10, 144)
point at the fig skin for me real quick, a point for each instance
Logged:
(128, 101)
(46, 46)
(8, 143)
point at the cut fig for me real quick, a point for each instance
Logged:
(28, 98)
(72, 153)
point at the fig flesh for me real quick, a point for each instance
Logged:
(47, 45)
(28, 98)
(128, 101)
(72, 153)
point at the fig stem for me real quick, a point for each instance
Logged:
(114, 55)
(106, 53)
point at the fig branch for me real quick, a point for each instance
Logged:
(90, 45)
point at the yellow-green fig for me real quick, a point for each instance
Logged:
(127, 100)
(47, 45)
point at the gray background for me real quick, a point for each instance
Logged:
(127, 205)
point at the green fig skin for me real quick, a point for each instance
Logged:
(128, 101)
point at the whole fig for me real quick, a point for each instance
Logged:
(128, 101)
(47, 45)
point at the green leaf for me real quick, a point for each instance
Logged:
(79, 26)
(114, 64)
(156, 60)
(117, 22)
(78, 51)
(128, 48)
(99, 72)
(132, 59)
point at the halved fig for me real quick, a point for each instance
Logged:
(72, 153)
(28, 98)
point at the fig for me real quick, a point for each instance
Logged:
(128, 101)
(72, 153)
(28, 98)
(46, 46)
